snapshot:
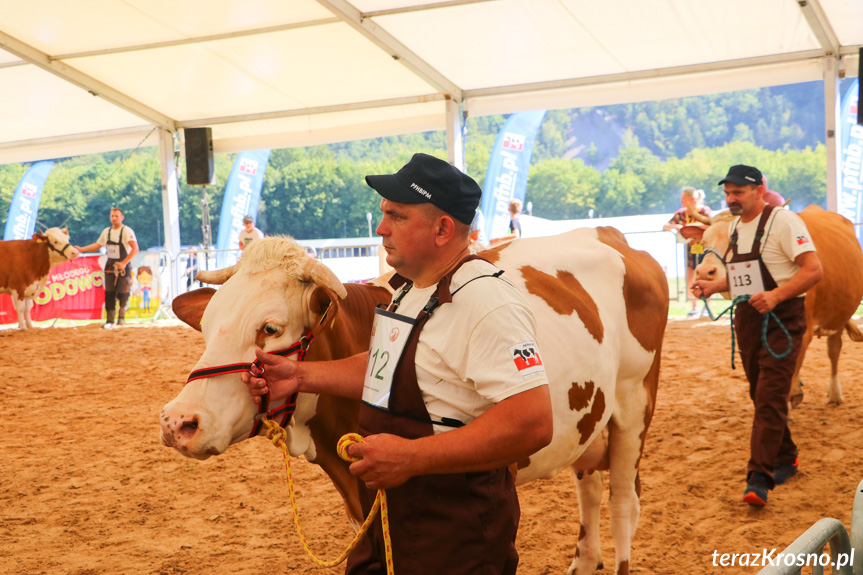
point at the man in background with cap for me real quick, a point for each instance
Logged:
(445, 409)
(250, 233)
(770, 258)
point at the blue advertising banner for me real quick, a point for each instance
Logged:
(242, 195)
(506, 177)
(21, 221)
(850, 201)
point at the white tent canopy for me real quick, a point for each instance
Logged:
(97, 75)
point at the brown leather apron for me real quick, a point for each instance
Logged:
(769, 378)
(454, 524)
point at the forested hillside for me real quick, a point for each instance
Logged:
(617, 160)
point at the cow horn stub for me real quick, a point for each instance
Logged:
(216, 277)
(321, 275)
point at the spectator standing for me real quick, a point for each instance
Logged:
(514, 223)
(693, 212)
(250, 233)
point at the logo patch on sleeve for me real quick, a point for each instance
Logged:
(802, 240)
(526, 358)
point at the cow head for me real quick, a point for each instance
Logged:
(270, 299)
(715, 241)
(59, 248)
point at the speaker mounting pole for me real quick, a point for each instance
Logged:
(205, 227)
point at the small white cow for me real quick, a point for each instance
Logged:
(601, 309)
(25, 264)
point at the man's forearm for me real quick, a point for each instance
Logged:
(802, 282)
(90, 248)
(341, 377)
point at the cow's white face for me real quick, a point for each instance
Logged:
(259, 309)
(61, 250)
(715, 239)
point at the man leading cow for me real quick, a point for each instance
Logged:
(771, 259)
(453, 389)
(121, 245)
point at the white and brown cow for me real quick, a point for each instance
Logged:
(25, 264)
(601, 309)
(830, 305)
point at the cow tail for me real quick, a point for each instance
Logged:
(853, 331)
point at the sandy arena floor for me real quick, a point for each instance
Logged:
(86, 489)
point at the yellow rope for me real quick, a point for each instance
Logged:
(279, 437)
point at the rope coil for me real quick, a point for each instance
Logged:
(279, 436)
(764, 324)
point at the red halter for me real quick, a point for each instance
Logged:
(286, 410)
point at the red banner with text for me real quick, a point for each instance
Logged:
(75, 290)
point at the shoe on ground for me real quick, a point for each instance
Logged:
(783, 473)
(108, 326)
(693, 313)
(756, 490)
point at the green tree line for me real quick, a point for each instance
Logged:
(320, 192)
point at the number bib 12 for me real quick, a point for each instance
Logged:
(390, 332)
(744, 278)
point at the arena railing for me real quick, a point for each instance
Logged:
(358, 262)
(846, 551)
(190, 261)
(166, 288)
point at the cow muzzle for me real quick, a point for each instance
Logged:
(187, 431)
(706, 272)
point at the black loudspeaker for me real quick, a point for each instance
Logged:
(199, 156)
(860, 88)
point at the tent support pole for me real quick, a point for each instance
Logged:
(455, 134)
(170, 203)
(832, 125)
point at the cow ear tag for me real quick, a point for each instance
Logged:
(696, 248)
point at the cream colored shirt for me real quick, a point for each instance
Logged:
(470, 351)
(248, 237)
(127, 233)
(785, 238)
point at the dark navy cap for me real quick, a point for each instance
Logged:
(427, 179)
(743, 176)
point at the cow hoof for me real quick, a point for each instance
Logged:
(796, 399)
(573, 570)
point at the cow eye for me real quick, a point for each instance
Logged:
(271, 329)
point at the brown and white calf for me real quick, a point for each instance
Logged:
(25, 264)
(601, 309)
(830, 305)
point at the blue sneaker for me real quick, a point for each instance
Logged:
(783, 473)
(756, 490)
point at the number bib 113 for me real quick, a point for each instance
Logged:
(390, 332)
(744, 278)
